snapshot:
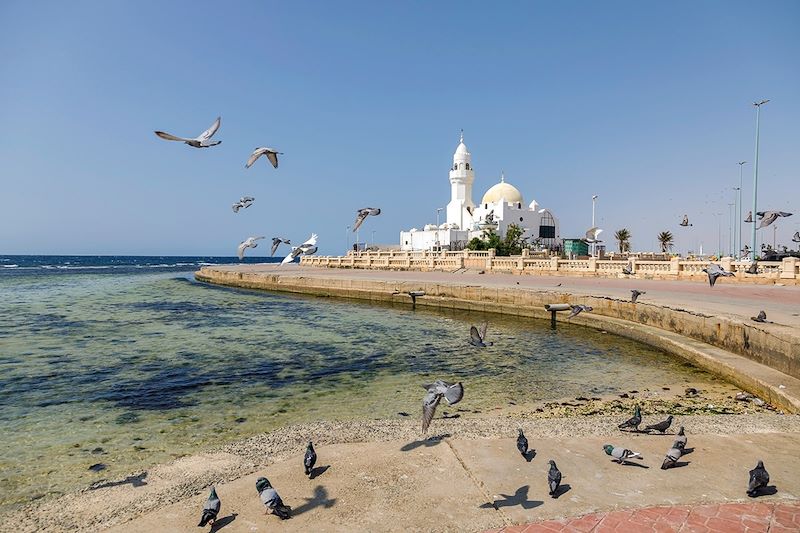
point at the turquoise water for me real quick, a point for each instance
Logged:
(130, 369)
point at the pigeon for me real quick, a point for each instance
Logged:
(635, 294)
(673, 454)
(201, 141)
(271, 154)
(310, 459)
(271, 500)
(210, 509)
(749, 217)
(592, 235)
(753, 268)
(522, 443)
(243, 203)
(628, 269)
(762, 317)
(768, 217)
(714, 271)
(685, 221)
(759, 479)
(634, 421)
(362, 214)
(478, 338)
(276, 241)
(796, 236)
(553, 479)
(680, 440)
(436, 390)
(661, 426)
(307, 248)
(578, 309)
(250, 242)
(621, 454)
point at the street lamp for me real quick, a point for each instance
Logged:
(347, 236)
(739, 222)
(594, 246)
(731, 230)
(755, 174)
(372, 244)
(438, 210)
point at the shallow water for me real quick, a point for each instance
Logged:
(129, 369)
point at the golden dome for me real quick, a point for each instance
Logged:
(502, 191)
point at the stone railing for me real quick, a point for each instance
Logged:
(786, 271)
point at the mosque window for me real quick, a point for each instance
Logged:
(520, 219)
(519, 206)
(467, 166)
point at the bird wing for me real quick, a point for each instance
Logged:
(289, 257)
(429, 404)
(170, 137)
(475, 335)
(769, 218)
(273, 158)
(275, 243)
(312, 241)
(781, 213)
(258, 152)
(360, 217)
(575, 310)
(206, 135)
(454, 393)
(236, 207)
(484, 327)
(375, 211)
(242, 247)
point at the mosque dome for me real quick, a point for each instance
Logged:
(502, 191)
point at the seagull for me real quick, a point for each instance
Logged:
(243, 203)
(310, 459)
(634, 421)
(436, 390)
(210, 509)
(768, 217)
(250, 242)
(759, 479)
(307, 248)
(271, 499)
(621, 454)
(478, 338)
(685, 221)
(276, 241)
(796, 236)
(761, 317)
(522, 443)
(661, 426)
(553, 478)
(628, 269)
(271, 154)
(201, 141)
(673, 454)
(635, 294)
(362, 214)
(680, 440)
(577, 309)
(714, 271)
(749, 217)
(592, 235)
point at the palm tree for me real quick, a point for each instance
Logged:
(623, 237)
(666, 239)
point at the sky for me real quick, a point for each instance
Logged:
(646, 104)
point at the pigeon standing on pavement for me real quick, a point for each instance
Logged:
(210, 509)
(759, 479)
(715, 271)
(362, 214)
(522, 444)
(553, 479)
(310, 459)
(201, 141)
(634, 421)
(673, 454)
(269, 153)
(478, 338)
(761, 317)
(635, 294)
(621, 454)
(753, 268)
(661, 426)
(451, 392)
(578, 309)
(680, 440)
(271, 500)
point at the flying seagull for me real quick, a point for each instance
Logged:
(451, 392)
(673, 454)
(635, 294)
(759, 479)
(796, 236)
(685, 221)
(628, 269)
(276, 241)
(661, 426)
(201, 141)
(270, 153)
(362, 215)
(522, 444)
(749, 217)
(634, 421)
(271, 500)
(210, 509)
(478, 338)
(578, 309)
(761, 317)
(680, 440)
(309, 459)
(553, 479)
(243, 203)
(621, 454)
(714, 271)
(307, 248)
(768, 217)
(250, 242)
(592, 235)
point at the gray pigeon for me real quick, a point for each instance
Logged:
(635, 294)
(796, 236)
(276, 241)
(673, 454)
(634, 421)
(715, 271)
(753, 268)
(478, 338)
(628, 269)
(362, 214)
(680, 440)
(243, 203)
(759, 479)
(553, 479)
(578, 309)
(451, 392)
(250, 242)
(621, 454)
(685, 221)
(210, 509)
(270, 154)
(201, 141)
(661, 426)
(768, 217)
(761, 317)
(271, 500)
(309, 459)
(749, 217)
(522, 443)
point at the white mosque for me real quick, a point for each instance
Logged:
(500, 206)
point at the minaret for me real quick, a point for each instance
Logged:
(461, 177)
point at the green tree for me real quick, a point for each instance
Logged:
(623, 237)
(511, 244)
(666, 240)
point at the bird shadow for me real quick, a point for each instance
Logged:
(520, 497)
(680, 464)
(318, 471)
(428, 442)
(631, 463)
(222, 522)
(562, 489)
(529, 455)
(320, 499)
(686, 451)
(135, 481)
(766, 491)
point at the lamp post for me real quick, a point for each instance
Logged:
(594, 245)
(731, 231)
(739, 221)
(372, 244)
(755, 175)
(347, 236)
(438, 210)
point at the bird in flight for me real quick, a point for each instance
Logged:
(270, 154)
(768, 217)
(715, 271)
(685, 221)
(451, 392)
(307, 248)
(201, 141)
(478, 337)
(592, 235)
(635, 294)
(250, 242)
(276, 241)
(243, 203)
(362, 215)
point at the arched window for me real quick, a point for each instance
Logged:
(519, 206)
(467, 166)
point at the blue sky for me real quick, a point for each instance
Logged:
(646, 104)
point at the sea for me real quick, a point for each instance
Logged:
(110, 364)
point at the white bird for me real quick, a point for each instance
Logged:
(307, 248)
(243, 203)
(201, 141)
(250, 242)
(362, 214)
(592, 234)
(768, 217)
(270, 153)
